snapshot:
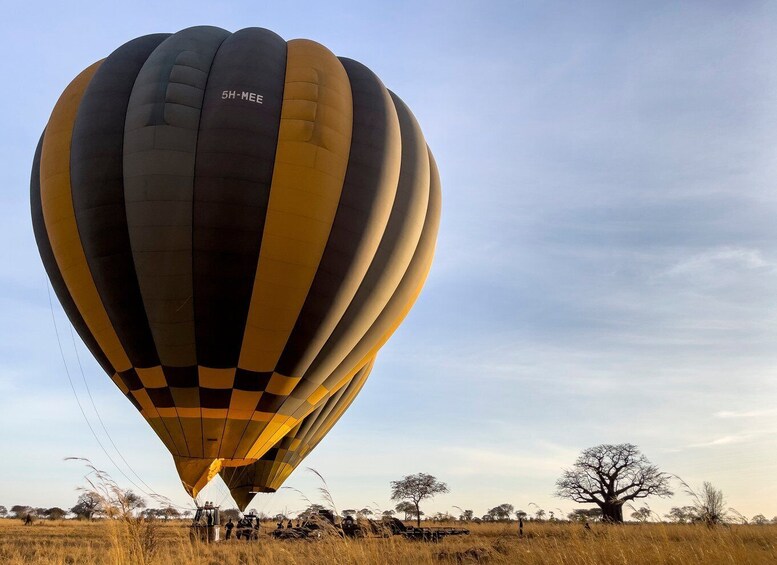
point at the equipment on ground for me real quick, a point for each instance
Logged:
(316, 526)
(422, 534)
(248, 528)
(310, 526)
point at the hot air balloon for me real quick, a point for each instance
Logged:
(235, 225)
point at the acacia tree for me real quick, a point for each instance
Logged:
(416, 488)
(681, 514)
(585, 514)
(129, 501)
(21, 510)
(611, 475)
(642, 514)
(502, 512)
(55, 513)
(407, 508)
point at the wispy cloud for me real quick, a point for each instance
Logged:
(731, 414)
(544, 461)
(728, 440)
(724, 258)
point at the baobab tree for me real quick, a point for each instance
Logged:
(611, 475)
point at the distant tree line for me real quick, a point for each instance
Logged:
(609, 476)
(90, 505)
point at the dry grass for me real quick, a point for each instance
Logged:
(557, 544)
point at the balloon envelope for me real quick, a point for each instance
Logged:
(274, 467)
(234, 224)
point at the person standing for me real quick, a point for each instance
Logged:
(520, 527)
(229, 527)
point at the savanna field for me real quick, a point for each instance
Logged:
(167, 543)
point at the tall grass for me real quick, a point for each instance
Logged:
(133, 538)
(108, 542)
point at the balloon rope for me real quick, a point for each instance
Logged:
(155, 495)
(81, 408)
(224, 491)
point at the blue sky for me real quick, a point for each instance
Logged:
(606, 268)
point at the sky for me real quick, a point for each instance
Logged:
(606, 269)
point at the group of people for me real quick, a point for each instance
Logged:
(247, 528)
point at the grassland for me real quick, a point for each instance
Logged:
(112, 542)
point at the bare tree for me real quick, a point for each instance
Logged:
(416, 488)
(759, 520)
(611, 475)
(88, 505)
(709, 504)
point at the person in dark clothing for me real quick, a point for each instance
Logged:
(520, 527)
(349, 526)
(229, 527)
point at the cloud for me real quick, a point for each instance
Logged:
(544, 461)
(730, 414)
(712, 261)
(727, 440)
(760, 434)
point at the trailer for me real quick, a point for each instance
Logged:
(432, 534)
(422, 534)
